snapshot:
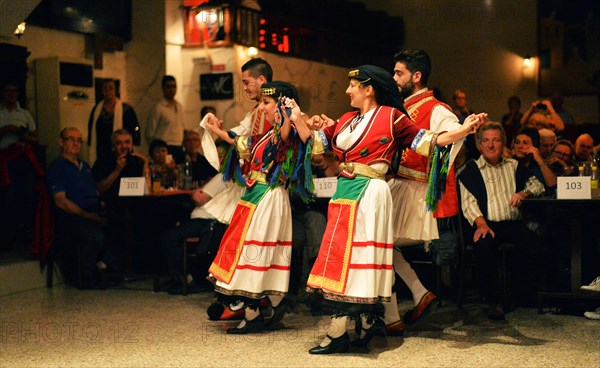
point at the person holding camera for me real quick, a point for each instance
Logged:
(545, 108)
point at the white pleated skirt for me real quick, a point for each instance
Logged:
(264, 264)
(412, 222)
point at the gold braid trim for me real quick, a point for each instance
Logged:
(258, 176)
(361, 169)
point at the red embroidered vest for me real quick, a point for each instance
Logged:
(414, 166)
(378, 141)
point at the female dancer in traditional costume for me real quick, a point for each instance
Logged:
(353, 270)
(253, 260)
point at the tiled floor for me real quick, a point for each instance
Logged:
(134, 327)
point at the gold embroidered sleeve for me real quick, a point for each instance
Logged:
(241, 146)
(424, 142)
(320, 144)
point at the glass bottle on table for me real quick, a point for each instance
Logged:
(156, 180)
(187, 174)
(594, 174)
(148, 179)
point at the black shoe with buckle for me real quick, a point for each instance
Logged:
(255, 325)
(336, 345)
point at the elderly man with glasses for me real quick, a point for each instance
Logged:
(72, 186)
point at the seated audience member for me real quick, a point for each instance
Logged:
(108, 172)
(584, 147)
(547, 141)
(309, 220)
(561, 160)
(544, 107)
(492, 188)
(512, 120)
(526, 152)
(202, 171)
(163, 165)
(201, 224)
(123, 163)
(72, 185)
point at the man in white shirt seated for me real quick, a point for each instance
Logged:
(492, 188)
(201, 224)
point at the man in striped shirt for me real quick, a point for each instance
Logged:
(492, 188)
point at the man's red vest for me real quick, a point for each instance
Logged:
(416, 167)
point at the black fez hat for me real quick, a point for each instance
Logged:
(278, 89)
(386, 89)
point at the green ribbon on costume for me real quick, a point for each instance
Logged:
(436, 185)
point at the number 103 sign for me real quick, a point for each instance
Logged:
(575, 187)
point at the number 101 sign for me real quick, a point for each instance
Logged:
(575, 187)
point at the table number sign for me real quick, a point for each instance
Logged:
(133, 187)
(573, 187)
(325, 187)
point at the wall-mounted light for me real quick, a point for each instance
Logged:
(20, 29)
(252, 52)
(527, 61)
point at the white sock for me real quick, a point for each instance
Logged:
(365, 325)
(391, 310)
(409, 276)
(275, 300)
(336, 329)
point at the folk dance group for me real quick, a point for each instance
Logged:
(354, 271)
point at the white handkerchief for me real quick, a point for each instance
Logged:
(208, 144)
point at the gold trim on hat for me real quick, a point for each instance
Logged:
(353, 73)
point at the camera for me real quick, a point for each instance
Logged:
(540, 106)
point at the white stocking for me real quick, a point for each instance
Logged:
(275, 300)
(409, 276)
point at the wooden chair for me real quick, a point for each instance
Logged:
(189, 251)
(467, 260)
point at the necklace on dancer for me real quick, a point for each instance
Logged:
(355, 122)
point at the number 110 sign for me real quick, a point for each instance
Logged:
(573, 187)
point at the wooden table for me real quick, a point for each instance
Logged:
(145, 218)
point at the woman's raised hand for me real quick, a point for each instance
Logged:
(318, 122)
(474, 121)
(290, 103)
